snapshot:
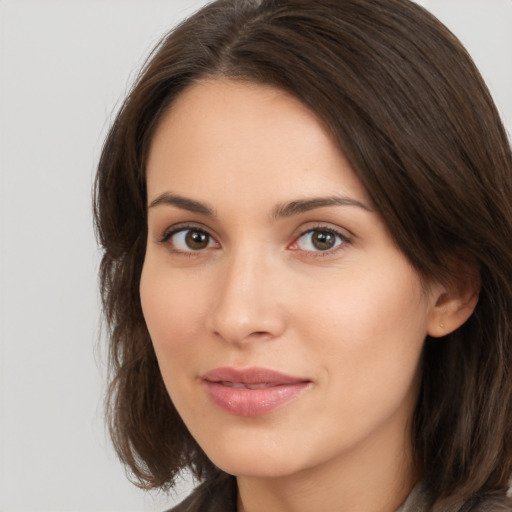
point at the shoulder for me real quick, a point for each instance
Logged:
(219, 494)
(420, 500)
(215, 495)
(490, 504)
(480, 504)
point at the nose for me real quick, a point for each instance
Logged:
(247, 306)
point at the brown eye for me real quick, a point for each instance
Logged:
(197, 240)
(320, 240)
(189, 240)
(323, 240)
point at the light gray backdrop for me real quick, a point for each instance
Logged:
(64, 65)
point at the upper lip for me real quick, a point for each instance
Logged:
(251, 376)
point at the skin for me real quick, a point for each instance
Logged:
(352, 319)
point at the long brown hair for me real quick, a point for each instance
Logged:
(408, 108)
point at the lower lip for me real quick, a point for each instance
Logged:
(252, 402)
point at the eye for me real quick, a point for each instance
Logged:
(189, 239)
(319, 240)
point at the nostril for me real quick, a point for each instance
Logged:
(241, 319)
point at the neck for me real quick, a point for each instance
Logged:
(376, 477)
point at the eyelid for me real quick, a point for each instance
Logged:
(343, 234)
(181, 226)
(170, 231)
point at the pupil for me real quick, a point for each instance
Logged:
(323, 240)
(197, 240)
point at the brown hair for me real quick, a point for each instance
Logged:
(410, 111)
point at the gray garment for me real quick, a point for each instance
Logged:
(419, 501)
(220, 495)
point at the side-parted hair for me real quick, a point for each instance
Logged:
(408, 108)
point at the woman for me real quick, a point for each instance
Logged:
(307, 230)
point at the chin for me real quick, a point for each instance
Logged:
(261, 468)
(253, 460)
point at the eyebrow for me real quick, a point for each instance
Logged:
(305, 205)
(282, 210)
(184, 203)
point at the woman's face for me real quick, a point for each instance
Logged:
(287, 324)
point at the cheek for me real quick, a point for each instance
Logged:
(368, 345)
(369, 308)
(172, 311)
(369, 331)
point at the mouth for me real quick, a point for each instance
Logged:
(241, 385)
(252, 391)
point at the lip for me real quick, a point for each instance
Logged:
(251, 391)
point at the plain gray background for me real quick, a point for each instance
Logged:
(64, 66)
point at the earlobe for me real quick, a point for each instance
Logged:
(451, 309)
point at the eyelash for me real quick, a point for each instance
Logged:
(166, 239)
(343, 240)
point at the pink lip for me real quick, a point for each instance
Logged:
(252, 391)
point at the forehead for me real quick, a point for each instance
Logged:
(256, 138)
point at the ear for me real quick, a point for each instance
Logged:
(452, 305)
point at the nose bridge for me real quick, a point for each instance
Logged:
(246, 306)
